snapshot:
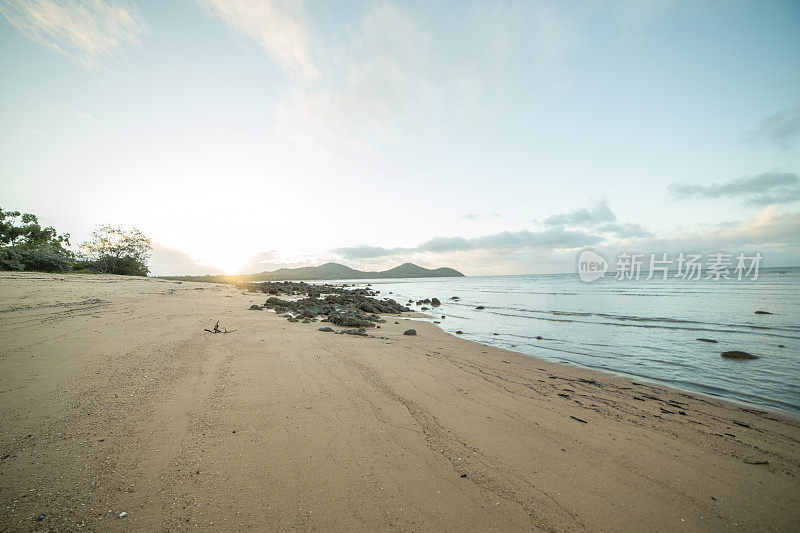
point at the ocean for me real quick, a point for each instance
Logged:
(645, 329)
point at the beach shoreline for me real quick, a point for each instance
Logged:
(669, 332)
(115, 399)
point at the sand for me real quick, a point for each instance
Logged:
(113, 399)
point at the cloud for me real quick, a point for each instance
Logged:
(762, 189)
(625, 231)
(391, 73)
(583, 217)
(600, 218)
(768, 229)
(367, 252)
(85, 114)
(476, 216)
(378, 80)
(773, 233)
(281, 27)
(781, 129)
(91, 32)
(549, 239)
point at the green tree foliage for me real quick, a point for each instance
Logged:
(114, 250)
(26, 245)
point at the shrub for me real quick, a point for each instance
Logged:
(43, 258)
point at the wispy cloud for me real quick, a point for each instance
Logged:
(477, 216)
(781, 129)
(599, 218)
(393, 73)
(762, 189)
(92, 32)
(768, 228)
(281, 27)
(596, 214)
(379, 79)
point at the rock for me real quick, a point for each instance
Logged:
(410, 332)
(424, 309)
(455, 298)
(361, 332)
(435, 302)
(326, 329)
(349, 320)
(444, 316)
(495, 334)
(763, 313)
(255, 307)
(480, 307)
(293, 319)
(123, 514)
(781, 346)
(707, 340)
(459, 332)
(538, 338)
(344, 307)
(737, 354)
(437, 322)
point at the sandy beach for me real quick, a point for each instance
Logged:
(113, 399)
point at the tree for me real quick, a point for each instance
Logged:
(114, 250)
(23, 228)
(25, 245)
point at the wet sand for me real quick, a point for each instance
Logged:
(114, 399)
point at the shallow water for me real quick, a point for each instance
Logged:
(638, 328)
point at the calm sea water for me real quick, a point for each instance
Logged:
(640, 328)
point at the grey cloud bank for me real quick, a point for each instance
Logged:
(553, 238)
(760, 190)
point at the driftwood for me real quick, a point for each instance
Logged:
(217, 330)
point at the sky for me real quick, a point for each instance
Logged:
(492, 137)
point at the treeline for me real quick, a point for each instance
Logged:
(26, 246)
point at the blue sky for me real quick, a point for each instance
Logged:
(494, 137)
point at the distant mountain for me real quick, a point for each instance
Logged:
(327, 271)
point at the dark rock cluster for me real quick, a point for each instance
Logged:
(352, 308)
